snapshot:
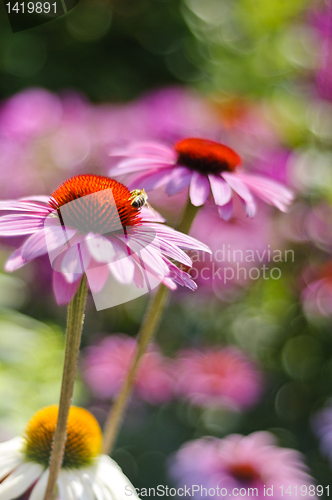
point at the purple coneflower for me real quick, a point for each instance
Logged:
(104, 230)
(202, 165)
(106, 366)
(215, 377)
(244, 466)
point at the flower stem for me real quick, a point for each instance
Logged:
(146, 332)
(75, 318)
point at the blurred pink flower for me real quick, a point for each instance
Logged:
(218, 376)
(106, 366)
(237, 464)
(44, 135)
(322, 426)
(104, 235)
(237, 246)
(321, 20)
(30, 113)
(317, 296)
(203, 165)
(309, 224)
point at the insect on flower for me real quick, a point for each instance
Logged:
(139, 198)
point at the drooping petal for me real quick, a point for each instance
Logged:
(268, 190)
(137, 164)
(146, 148)
(123, 270)
(19, 224)
(39, 489)
(179, 179)
(20, 480)
(226, 211)
(177, 238)
(122, 267)
(153, 179)
(114, 479)
(25, 206)
(64, 487)
(87, 488)
(63, 290)
(34, 246)
(97, 277)
(199, 189)
(168, 248)
(9, 467)
(150, 215)
(241, 189)
(180, 277)
(100, 248)
(221, 191)
(15, 261)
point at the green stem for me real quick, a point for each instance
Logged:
(75, 318)
(148, 329)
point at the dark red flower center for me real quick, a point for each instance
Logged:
(108, 206)
(206, 157)
(244, 472)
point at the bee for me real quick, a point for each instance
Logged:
(139, 198)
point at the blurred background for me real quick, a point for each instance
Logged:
(248, 355)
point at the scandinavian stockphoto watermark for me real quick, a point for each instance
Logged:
(228, 264)
(200, 491)
(26, 14)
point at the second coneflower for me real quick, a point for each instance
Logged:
(203, 165)
(85, 473)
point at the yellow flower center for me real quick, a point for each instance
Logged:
(83, 443)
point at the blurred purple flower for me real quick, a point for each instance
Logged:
(321, 19)
(322, 426)
(106, 365)
(218, 377)
(30, 113)
(241, 462)
(236, 246)
(44, 135)
(202, 165)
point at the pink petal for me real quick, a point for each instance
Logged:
(146, 148)
(15, 261)
(151, 180)
(100, 248)
(221, 191)
(168, 248)
(226, 211)
(169, 234)
(123, 270)
(136, 164)
(24, 206)
(138, 278)
(199, 189)
(71, 263)
(268, 190)
(64, 291)
(152, 261)
(97, 277)
(18, 224)
(241, 189)
(34, 246)
(152, 215)
(180, 179)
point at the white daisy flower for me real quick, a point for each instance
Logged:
(85, 473)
